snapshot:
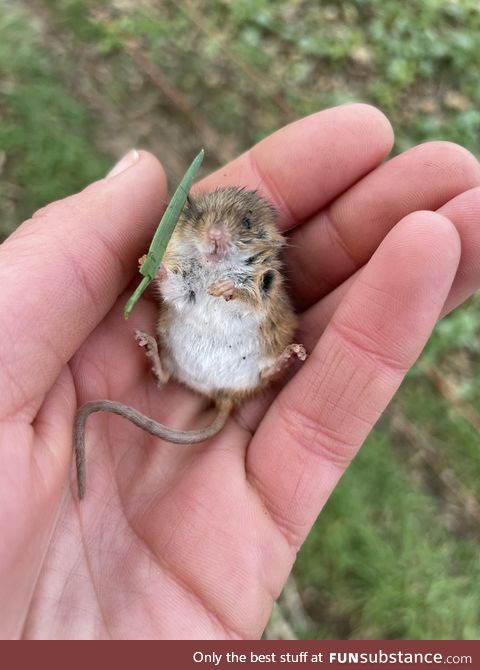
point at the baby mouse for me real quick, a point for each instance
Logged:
(226, 324)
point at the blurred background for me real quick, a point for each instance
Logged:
(396, 553)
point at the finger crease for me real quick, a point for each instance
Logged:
(347, 334)
(273, 191)
(337, 239)
(316, 438)
(292, 532)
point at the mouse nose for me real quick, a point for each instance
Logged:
(216, 233)
(219, 239)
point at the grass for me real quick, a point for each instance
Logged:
(395, 554)
(419, 63)
(45, 134)
(382, 564)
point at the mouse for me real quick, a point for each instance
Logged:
(225, 324)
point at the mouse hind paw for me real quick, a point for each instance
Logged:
(149, 344)
(283, 362)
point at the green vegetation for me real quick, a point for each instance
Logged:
(45, 134)
(419, 63)
(396, 551)
(381, 562)
(164, 232)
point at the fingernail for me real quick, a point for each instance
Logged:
(127, 161)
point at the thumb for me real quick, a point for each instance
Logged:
(62, 270)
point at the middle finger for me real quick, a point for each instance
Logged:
(339, 239)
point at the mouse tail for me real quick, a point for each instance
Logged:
(143, 422)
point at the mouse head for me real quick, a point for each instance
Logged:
(230, 221)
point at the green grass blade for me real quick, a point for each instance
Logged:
(164, 232)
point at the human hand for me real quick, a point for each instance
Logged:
(197, 542)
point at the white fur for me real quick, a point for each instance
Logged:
(214, 344)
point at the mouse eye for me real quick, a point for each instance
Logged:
(246, 222)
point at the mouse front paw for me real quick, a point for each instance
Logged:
(161, 273)
(224, 288)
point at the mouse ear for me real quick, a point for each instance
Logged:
(267, 280)
(192, 208)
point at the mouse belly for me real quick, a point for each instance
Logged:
(215, 346)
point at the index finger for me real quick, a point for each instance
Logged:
(305, 165)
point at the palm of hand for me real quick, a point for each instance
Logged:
(185, 549)
(197, 541)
